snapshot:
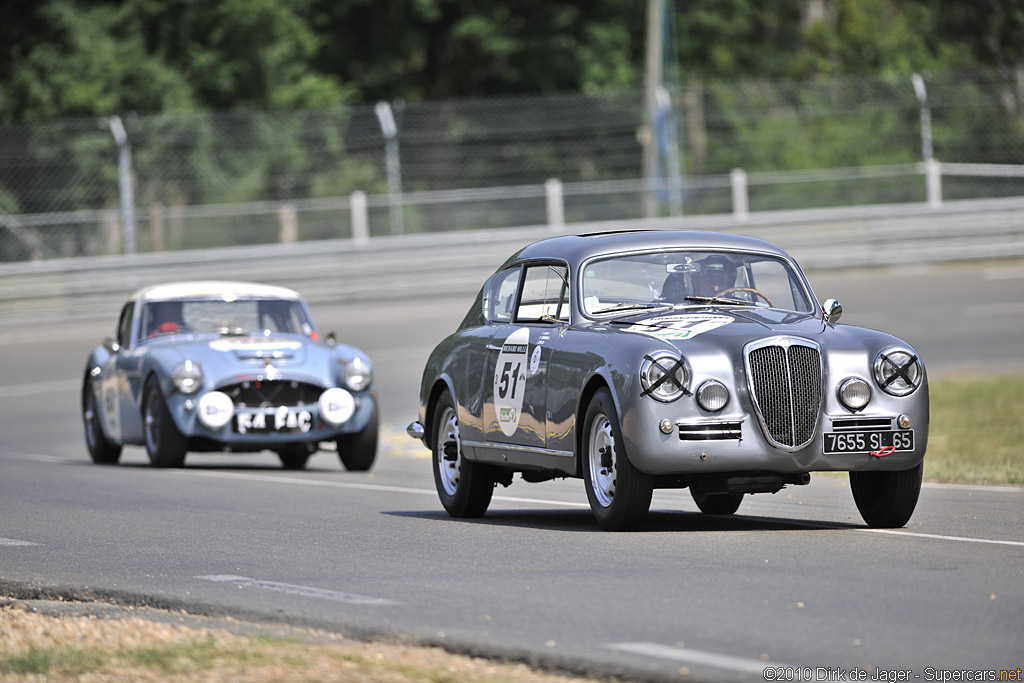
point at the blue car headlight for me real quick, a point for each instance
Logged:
(187, 377)
(358, 374)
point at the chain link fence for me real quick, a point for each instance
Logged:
(172, 182)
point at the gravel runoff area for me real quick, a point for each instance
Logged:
(54, 639)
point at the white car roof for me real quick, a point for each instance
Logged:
(204, 289)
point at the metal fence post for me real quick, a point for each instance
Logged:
(393, 164)
(933, 182)
(360, 220)
(740, 205)
(124, 175)
(555, 203)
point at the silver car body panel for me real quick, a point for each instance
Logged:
(560, 363)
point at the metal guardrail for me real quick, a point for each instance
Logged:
(424, 265)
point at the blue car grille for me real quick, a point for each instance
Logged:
(272, 393)
(785, 380)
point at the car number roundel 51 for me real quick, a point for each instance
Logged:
(510, 373)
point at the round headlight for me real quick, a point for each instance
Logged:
(187, 377)
(854, 393)
(898, 371)
(358, 373)
(336, 406)
(215, 409)
(663, 376)
(712, 395)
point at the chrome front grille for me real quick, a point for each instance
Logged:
(272, 393)
(785, 382)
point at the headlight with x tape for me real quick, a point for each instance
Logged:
(898, 371)
(664, 376)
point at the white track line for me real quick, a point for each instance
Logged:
(699, 657)
(293, 589)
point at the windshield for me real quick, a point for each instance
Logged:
(237, 317)
(638, 282)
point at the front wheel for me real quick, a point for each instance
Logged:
(465, 488)
(165, 445)
(102, 451)
(358, 451)
(886, 500)
(619, 494)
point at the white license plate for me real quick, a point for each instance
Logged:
(281, 419)
(874, 442)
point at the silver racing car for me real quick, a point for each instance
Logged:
(226, 366)
(660, 359)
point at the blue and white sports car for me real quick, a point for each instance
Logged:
(226, 366)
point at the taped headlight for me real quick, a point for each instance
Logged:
(712, 395)
(854, 393)
(215, 409)
(663, 376)
(187, 377)
(358, 373)
(336, 406)
(898, 371)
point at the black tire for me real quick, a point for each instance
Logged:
(619, 494)
(102, 451)
(165, 445)
(465, 488)
(886, 500)
(358, 451)
(716, 503)
(294, 459)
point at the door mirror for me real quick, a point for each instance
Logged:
(111, 345)
(832, 310)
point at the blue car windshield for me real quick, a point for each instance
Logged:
(243, 316)
(691, 278)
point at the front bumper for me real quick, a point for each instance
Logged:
(277, 425)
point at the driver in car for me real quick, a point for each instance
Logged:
(716, 275)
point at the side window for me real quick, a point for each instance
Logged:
(500, 296)
(124, 326)
(545, 294)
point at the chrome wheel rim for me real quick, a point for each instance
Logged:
(602, 470)
(449, 470)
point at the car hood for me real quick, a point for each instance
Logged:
(725, 328)
(228, 358)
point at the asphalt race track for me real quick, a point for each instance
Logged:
(792, 580)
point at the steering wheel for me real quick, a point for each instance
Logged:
(755, 292)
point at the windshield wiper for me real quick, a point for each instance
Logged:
(629, 307)
(720, 300)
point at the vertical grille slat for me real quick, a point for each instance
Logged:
(785, 379)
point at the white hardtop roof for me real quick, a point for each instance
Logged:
(216, 289)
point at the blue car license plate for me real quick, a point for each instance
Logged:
(873, 442)
(278, 420)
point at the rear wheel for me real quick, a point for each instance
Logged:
(716, 503)
(102, 451)
(887, 499)
(619, 494)
(165, 445)
(358, 451)
(465, 488)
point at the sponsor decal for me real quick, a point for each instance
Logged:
(535, 361)
(685, 326)
(510, 379)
